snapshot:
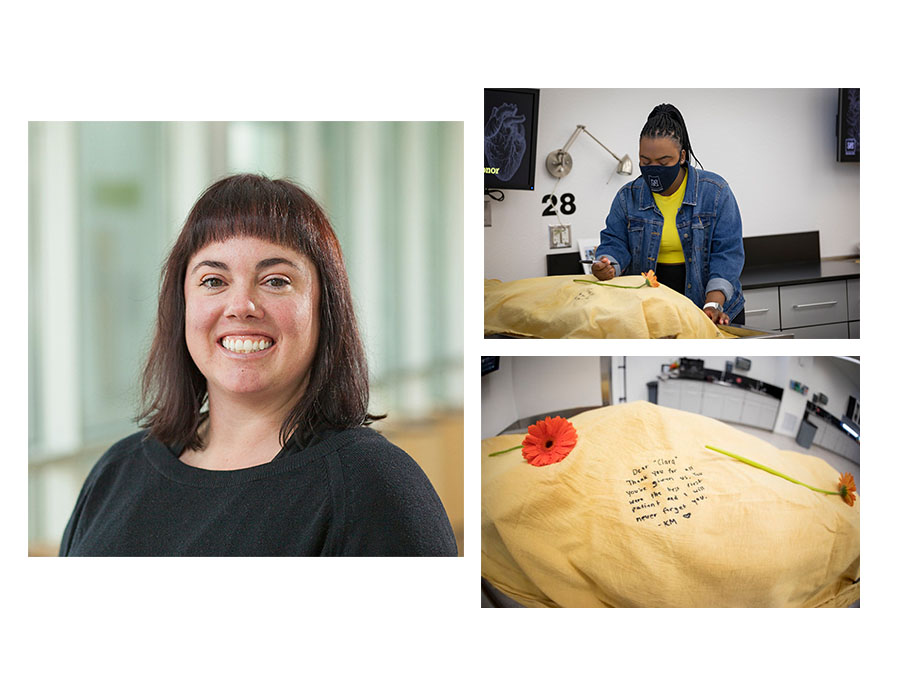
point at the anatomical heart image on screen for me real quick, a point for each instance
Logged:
(510, 131)
(504, 140)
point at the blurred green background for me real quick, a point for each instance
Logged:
(107, 200)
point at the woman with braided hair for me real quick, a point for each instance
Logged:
(680, 221)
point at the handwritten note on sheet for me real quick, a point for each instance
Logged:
(664, 492)
(584, 295)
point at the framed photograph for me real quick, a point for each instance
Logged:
(586, 247)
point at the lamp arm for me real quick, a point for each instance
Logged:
(559, 162)
(599, 142)
(578, 130)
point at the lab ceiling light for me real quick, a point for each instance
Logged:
(559, 162)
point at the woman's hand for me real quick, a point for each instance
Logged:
(602, 269)
(716, 316)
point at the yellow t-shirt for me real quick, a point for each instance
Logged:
(670, 251)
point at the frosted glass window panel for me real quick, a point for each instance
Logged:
(367, 250)
(53, 294)
(258, 147)
(122, 237)
(451, 245)
(190, 168)
(34, 363)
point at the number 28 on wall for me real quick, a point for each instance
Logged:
(566, 204)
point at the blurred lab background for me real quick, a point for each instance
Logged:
(107, 200)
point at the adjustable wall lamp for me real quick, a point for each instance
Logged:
(559, 162)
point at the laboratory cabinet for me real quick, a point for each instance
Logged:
(719, 401)
(713, 405)
(761, 309)
(818, 310)
(832, 438)
(759, 410)
(853, 299)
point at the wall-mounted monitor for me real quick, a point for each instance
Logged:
(510, 138)
(489, 363)
(848, 125)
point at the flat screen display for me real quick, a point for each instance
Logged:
(489, 363)
(510, 138)
(848, 125)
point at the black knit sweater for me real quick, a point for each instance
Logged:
(349, 493)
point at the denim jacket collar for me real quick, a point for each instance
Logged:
(645, 197)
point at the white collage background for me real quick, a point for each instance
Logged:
(429, 61)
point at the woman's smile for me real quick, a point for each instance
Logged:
(245, 344)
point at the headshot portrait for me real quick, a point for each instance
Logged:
(247, 346)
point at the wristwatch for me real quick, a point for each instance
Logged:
(714, 304)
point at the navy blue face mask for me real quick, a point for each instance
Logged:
(659, 177)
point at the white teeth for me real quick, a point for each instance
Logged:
(245, 345)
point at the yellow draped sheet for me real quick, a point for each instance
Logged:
(555, 307)
(640, 514)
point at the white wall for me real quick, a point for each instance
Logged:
(525, 386)
(775, 147)
(836, 378)
(498, 404)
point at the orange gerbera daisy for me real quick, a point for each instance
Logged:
(847, 486)
(650, 277)
(549, 441)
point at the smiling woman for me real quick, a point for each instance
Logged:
(256, 404)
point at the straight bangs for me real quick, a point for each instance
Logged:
(251, 206)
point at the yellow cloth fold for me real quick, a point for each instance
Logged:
(555, 307)
(640, 514)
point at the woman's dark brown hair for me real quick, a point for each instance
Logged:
(249, 205)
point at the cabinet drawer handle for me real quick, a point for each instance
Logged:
(757, 310)
(818, 303)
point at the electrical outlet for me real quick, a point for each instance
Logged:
(560, 236)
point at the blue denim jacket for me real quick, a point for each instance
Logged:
(708, 222)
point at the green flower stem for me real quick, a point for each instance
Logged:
(767, 469)
(517, 447)
(621, 287)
